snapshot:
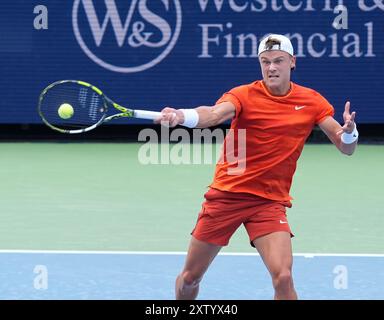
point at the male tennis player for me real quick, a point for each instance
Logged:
(278, 116)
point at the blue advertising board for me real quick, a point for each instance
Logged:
(184, 53)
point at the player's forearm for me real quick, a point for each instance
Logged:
(347, 149)
(200, 117)
(345, 142)
(207, 117)
(348, 141)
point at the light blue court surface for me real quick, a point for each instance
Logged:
(130, 275)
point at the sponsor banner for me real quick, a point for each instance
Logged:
(183, 53)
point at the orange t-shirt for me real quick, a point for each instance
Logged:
(276, 130)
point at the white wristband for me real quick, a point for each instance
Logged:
(191, 118)
(348, 138)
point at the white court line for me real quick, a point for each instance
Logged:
(306, 255)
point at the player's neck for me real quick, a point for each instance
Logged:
(279, 91)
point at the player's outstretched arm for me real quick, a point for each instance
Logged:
(344, 137)
(200, 117)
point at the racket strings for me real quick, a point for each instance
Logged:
(88, 106)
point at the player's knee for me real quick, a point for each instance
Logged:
(283, 279)
(190, 279)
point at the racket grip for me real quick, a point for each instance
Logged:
(144, 114)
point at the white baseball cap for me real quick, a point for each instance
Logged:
(276, 42)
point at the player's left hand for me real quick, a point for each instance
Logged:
(349, 120)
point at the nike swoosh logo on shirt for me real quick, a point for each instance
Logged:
(299, 107)
(282, 222)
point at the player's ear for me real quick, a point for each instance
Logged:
(293, 63)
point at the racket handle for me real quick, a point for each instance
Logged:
(144, 114)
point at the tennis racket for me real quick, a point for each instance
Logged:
(89, 107)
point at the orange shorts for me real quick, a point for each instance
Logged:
(223, 212)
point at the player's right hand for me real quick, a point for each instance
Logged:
(170, 117)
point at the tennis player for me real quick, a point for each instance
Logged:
(278, 116)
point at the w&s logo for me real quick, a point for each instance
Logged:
(127, 35)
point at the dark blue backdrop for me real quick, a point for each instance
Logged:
(186, 53)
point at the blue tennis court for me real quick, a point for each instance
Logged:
(150, 275)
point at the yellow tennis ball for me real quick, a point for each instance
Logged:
(65, 111)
